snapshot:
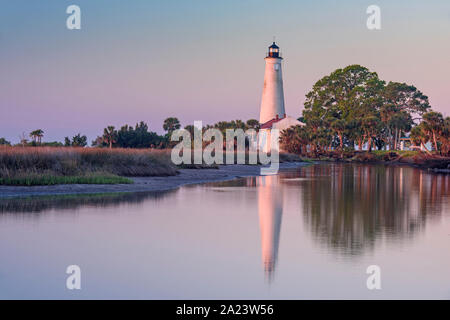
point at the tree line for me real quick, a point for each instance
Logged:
(138, 136)
(352, 108)
(36, 140)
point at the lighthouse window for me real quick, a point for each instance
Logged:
(276, 67)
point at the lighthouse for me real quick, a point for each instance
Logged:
(272, 114)
(272, 102)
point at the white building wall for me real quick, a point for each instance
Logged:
(272, 102)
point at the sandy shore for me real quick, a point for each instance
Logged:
(142, 184)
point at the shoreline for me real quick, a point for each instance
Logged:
(430, 163)
(185, 177)
(387, 163)
(146, 184)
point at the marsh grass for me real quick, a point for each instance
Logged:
(49, 179)
(404, 153)
(29, 166)
(50, 165)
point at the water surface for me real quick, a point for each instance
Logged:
(304, 234)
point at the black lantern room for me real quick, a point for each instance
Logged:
(274, 51)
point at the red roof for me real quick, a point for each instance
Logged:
(269, 124)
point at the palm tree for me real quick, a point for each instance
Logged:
(37, 135)
(433, 124)
(4, 142)
(400, 122)
(252, 124)
(171, 124)
(338, 126)
(110, 135)
(79, 140)
(419, 137)
(370, 126)
(238, 124)
(295, 139)
(287, 140)
(445, 137)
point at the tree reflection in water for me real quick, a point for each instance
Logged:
(41, 204)
(350, 207)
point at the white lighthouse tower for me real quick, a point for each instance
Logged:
(273, 114)
(272, 103)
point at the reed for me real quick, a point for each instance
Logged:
(36, 165)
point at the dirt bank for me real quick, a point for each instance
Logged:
(142, 184)
(419, 160)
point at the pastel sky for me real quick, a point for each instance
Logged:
(200, 59)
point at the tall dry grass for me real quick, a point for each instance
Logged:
(248, 156)
(72, 161)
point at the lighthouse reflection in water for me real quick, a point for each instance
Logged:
(270, 209)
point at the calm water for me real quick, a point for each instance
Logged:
(306, 233)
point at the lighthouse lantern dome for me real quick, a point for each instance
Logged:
(274, 51)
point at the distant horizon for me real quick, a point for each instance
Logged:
(147, 61)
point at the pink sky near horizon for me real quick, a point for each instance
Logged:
(152, 60)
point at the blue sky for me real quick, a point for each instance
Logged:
(199, 60)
